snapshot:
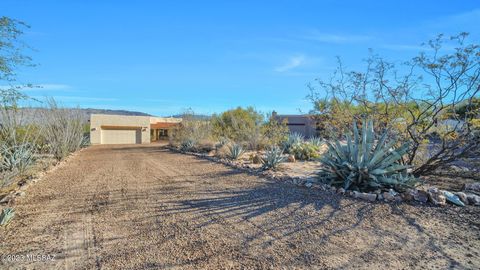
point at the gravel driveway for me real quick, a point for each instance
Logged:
(143, 207)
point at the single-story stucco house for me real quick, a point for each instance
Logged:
(122, 129)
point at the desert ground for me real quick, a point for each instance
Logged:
(144, 207)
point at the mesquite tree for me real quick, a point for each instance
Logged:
(430, 101)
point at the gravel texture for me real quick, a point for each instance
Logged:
(144, 207)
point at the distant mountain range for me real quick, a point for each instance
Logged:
(30, 115)
(90, 111)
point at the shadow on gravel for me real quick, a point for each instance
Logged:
(278, 206)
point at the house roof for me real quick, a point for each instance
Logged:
(163, 125)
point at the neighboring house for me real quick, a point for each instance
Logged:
(122, 129)
(304, 124)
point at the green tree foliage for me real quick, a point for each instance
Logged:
(239, 124)
(414, 99)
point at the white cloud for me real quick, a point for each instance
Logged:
(39, 87)
(292, 63)
(77, 99)
(335, 38)
(405, 47)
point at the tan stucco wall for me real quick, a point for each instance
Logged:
(99, 120)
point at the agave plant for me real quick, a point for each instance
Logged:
(273, 157)
(187, 145)
(235, 151)
(293, 138)
(316, 141)
(364, 163)
(6, 215)
(17, 157)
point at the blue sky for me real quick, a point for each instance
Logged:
(162, 57)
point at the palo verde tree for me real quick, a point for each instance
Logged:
(429, 101)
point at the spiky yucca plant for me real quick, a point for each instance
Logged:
(273, 157)
(235, 151)
(364, 163)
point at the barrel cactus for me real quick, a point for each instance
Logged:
(364, 163)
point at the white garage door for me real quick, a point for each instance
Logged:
(121, 136)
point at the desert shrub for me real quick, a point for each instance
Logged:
(63, 129)
(191, 129)
(433, 95)
(275, 132)
(222, 141)
(239, 125)
(273, 157)
(366, 164)
(305, 151)
(188, 145)
(205, 146)
(17, 137)
(235, 151)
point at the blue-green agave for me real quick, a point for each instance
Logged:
(293, 138)
(317, 141)
(6, 215)
(235, 151)
(273, 157)
(364, 163)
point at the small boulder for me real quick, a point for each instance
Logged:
(388, 196)
(436, 197)
(472, 187)
(365, 196)
(341, 191)
(463, 197)
(408, 195)
(473, 199)
(308, 184)
(291, 158)
(419, 195)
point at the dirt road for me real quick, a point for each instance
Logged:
(143, 207)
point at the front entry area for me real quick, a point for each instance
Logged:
(121, 135)
(158, 134)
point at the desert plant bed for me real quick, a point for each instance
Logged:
(305, 174)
